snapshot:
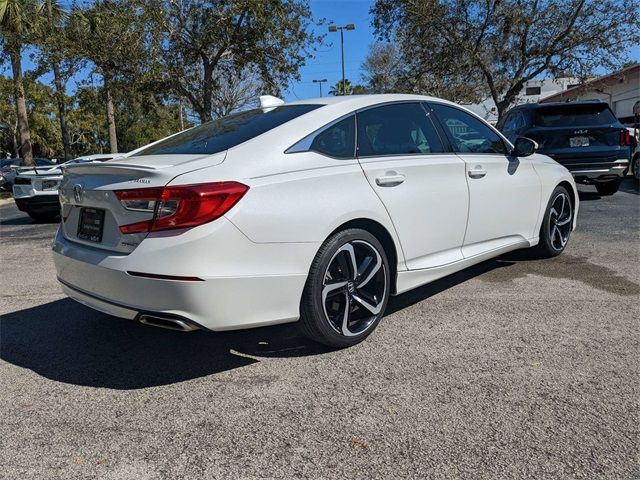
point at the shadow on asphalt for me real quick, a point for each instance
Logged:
(67, 342)
(70, 343)
(628, 185)
(26, 220)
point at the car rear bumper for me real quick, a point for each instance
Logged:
(104, 282)
(39, 204)
(598, 172)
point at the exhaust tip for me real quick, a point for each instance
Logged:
(169, 323)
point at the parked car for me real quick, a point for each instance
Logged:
(284, 213)
(9, 168)
(586, 137)
(35, 190)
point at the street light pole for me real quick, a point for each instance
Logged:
(334, 28)
(320, 82)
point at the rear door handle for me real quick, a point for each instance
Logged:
(477, 172)
(390, 179)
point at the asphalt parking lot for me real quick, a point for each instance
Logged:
(516, 368)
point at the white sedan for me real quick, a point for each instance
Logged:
(315, 210)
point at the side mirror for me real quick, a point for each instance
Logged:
(524, 147)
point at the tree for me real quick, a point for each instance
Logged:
(17, 20)
(200, 43)
(110, 35)
(51, 39)
(496, 46)
(236, 93)
(44, 130)
(337, 89)
(383, 67)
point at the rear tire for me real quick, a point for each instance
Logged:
(347, 289)
(556, 225)
(44, 217)
(608, 188)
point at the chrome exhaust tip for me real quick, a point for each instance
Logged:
(169, 323)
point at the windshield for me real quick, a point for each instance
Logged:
(227, 132)
(575, 115)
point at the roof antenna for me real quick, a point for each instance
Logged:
(269, 102)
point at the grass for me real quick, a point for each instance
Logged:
(5, 195)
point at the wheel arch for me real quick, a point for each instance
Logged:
(572, 193)
(384, 237)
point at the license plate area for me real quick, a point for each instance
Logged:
(579, 141)
(91, 224)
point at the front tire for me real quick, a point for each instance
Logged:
(608, 188)
(347, 289)
(636, 167)
(556, 225)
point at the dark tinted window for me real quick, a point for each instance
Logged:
(532, 91)
(396, 129)
(574, 115)
(337, 140)
(468, 134)
(227, 132)
(43, 162)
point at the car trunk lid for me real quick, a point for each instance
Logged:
(91, 212)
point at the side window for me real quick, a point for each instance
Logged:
(396, 129)
(509, 124)
(468, 134)
(337, 139)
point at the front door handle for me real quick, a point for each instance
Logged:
(390, 179)
(477, 172)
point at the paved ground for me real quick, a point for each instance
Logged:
(514, 369)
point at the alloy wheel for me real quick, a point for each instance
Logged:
(354, 288)
(560, 218)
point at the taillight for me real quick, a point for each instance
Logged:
(182, 206)
(625, 138)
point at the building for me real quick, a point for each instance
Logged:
(533, 91)
(621, 90)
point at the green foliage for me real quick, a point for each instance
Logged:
(45, 132)
(463, 49)
(199, 44)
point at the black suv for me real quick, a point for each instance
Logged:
(586, 137)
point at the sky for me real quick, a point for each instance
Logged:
(327, 63)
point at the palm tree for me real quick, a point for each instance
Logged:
(337, 88)
(51, 42)
(17, 21)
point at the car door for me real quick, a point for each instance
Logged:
(422, 186)
(504, 191)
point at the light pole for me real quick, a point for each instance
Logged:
(320, 82)
(334, 28)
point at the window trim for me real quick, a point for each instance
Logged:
(318, 131)
(445, 144)
(507, 144)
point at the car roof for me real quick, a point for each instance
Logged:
(361, 101)
(534, 106)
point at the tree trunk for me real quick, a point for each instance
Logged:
(111, 116)
(26, 151)
(62, 110)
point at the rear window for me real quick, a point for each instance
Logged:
(574, 116)
(224, 133)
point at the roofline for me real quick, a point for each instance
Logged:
(584, 86)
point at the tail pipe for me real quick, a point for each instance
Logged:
(170, 323)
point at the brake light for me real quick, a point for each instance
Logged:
(182, 206)
(625, 138)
